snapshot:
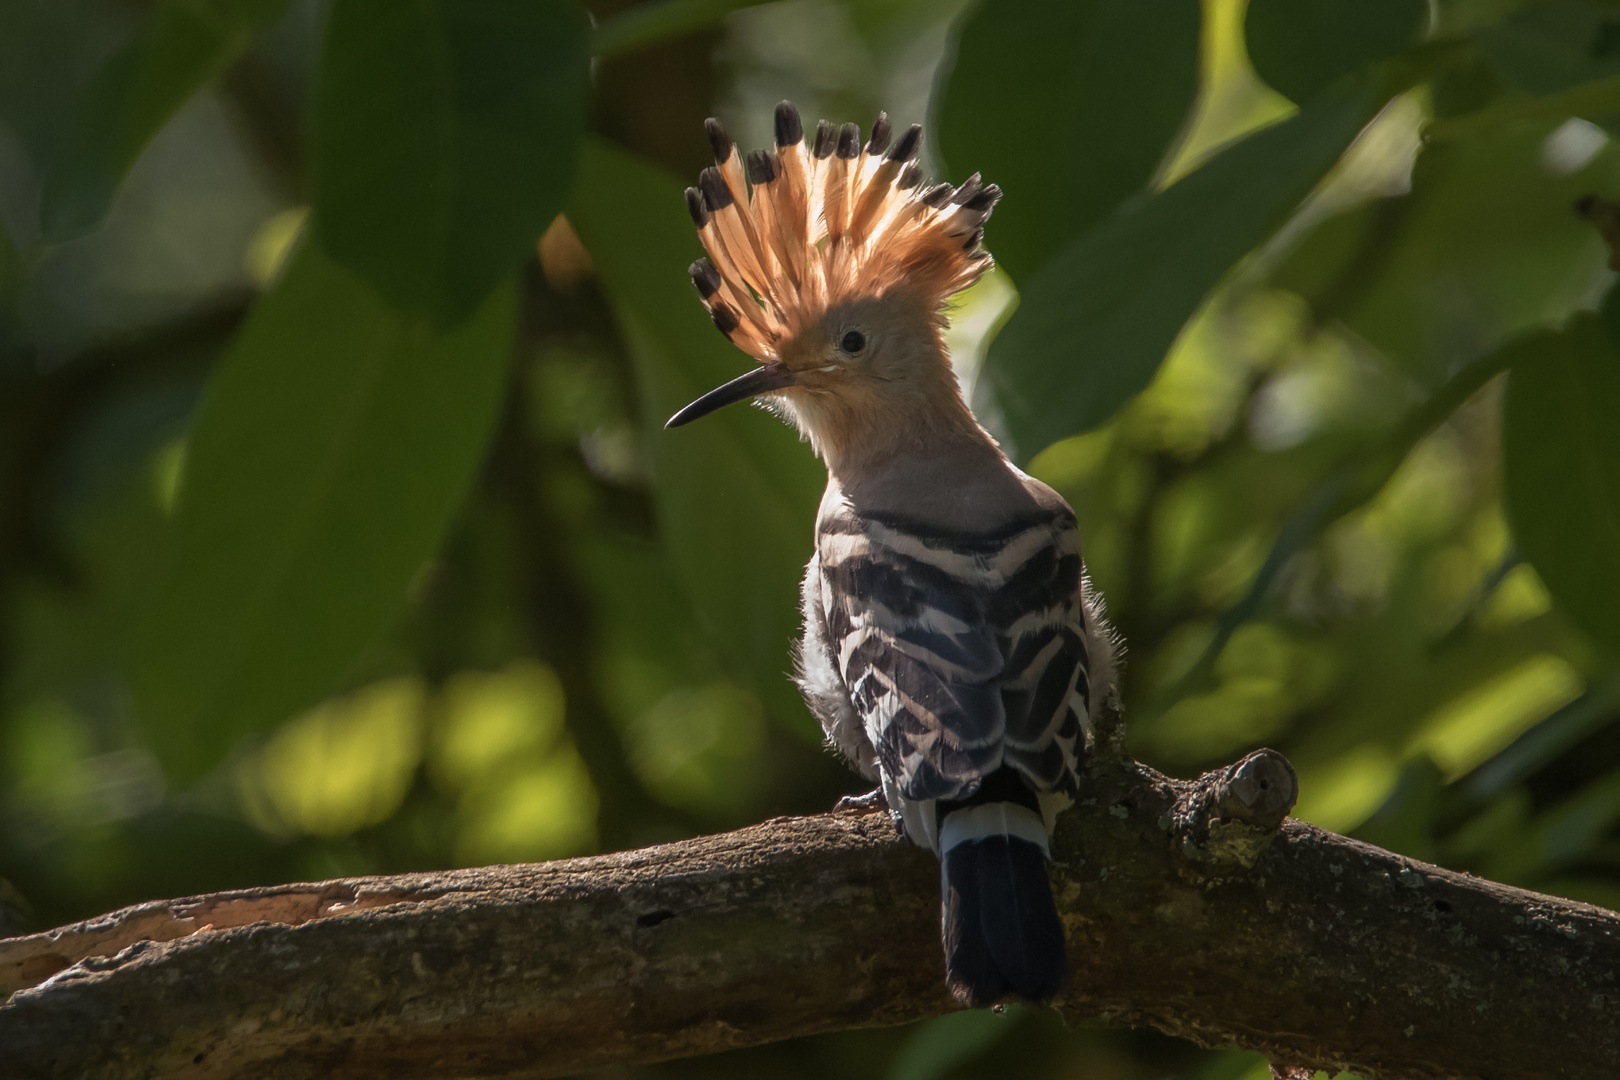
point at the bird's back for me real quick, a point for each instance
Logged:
(962, 635)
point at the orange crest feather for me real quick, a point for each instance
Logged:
(806, 228)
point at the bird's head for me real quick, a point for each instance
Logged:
(831, 264)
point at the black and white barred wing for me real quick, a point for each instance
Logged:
(959, 654)
(1046, 690)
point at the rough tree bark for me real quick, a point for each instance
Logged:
(1188, 909)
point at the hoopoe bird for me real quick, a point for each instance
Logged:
(953, 647)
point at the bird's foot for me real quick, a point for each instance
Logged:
(870, 803)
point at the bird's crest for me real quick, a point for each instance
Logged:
(794, 232)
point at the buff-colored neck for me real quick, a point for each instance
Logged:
(878, 428)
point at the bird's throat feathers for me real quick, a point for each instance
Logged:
(906, 403)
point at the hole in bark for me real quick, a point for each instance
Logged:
(197, 1060)
(1442, 905)
(1129, 804)
(653, 918)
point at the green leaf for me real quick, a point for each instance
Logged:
(329, 453)
(445, 133)
(186, 45)
(1299, 47)
(1561, 469)
(942, 1044)
(1069, 107)
(1545, 48)
(1094, 323)
(657, 21)
(1483, 247)
(737, 493)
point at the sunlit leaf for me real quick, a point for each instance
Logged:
(491, 717)
(1094, 323)
(523, 791)
(1341, 793)
(1300, 47)
(1069, 107)
(696, 748)
(737, 493)
(543, 809)
(445, 135)
(328, 455)
(186, 45)
(343, 765)
(1561, 470)
(1544, 742)
(1469, 729)
(1484, 246)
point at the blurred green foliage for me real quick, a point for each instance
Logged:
(186, 45)
(339, 534)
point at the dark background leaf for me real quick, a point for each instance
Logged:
(1069, 107)
(444, 137)
(1299, 47)
(1548, 47)
(1561, 469)
(183, 48)
(328, 456)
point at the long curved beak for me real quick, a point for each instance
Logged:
(762, 380)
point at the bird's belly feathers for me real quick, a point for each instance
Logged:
(822, 684)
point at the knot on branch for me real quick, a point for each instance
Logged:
(1230, 815)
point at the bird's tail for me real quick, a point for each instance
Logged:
(1001, 929)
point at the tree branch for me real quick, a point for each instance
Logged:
(1187, 910)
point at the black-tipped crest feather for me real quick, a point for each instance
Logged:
(969, 188)
(826, 136)
(725, 317)
(849, 141)
(760, 169)
(905, 148)
(879, 141)
(716, 196)
(985, 200)
(719, 141)
(695, 207)
(789, 128)
(705, 277)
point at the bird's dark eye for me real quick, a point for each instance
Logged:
(853, 342)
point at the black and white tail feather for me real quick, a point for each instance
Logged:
(960, 672)
(1000, 926)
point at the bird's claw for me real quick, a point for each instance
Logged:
(870, 803)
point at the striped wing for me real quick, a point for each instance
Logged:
(960, 653)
